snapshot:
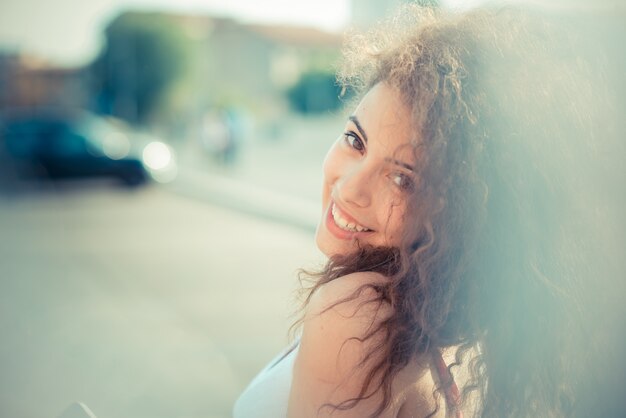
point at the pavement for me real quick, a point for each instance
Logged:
(158, 302)
(275, 177)
(142, 304)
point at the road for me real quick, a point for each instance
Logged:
(142, 303)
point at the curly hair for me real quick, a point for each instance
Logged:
(488, 264)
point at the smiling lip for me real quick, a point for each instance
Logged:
(337, 231)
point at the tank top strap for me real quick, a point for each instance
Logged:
(451, 390)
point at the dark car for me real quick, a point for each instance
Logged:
(40, 145)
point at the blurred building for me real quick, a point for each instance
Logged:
(27, 81)
(227, 63)
(255, 64)
(365, 13)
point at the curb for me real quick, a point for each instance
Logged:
(247, 198)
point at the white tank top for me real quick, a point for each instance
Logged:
(268, 393)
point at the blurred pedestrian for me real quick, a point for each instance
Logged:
(218, 136)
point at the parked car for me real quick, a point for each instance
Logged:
(59, 145)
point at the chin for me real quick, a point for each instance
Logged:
(327, 244)
(322, 243)
(330, 246)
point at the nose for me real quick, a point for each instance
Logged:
(355, 185)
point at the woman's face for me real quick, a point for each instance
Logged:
(368, 176)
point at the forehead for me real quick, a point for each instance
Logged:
(385, 118)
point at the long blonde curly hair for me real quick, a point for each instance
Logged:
(497, 112)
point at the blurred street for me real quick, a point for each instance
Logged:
(275, 177)
(139, 303)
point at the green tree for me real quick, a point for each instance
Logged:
(315, 92)
(143, 56)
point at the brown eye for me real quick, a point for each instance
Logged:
(354, 141)
(403, 181)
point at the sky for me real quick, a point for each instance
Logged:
(69, 32)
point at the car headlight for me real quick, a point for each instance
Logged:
(116, 145)
(157, 155)
(159, 159)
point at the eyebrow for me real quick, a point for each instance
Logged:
(401, 164)
(354, 120)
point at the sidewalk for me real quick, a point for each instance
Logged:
(247, 198)
(275, 178)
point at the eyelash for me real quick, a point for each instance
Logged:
(405, 183)
(351, 139)
(401, 180)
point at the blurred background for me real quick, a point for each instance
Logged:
(159, 172)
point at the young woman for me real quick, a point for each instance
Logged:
(451, 228)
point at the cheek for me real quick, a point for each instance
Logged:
(332, 165)
(394, 217)
(396, 226)
(329, 174)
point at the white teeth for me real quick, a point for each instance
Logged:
(344, 224)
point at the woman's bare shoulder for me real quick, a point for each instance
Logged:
(341, 337)
(341, 327)
(344, 317)
(350, 296)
